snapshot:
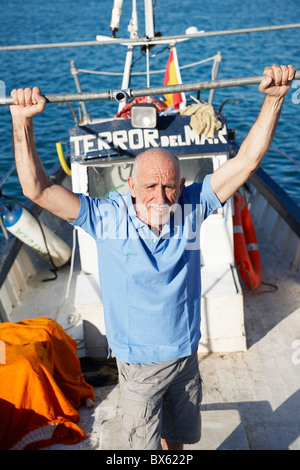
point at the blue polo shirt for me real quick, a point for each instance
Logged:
(151, 286)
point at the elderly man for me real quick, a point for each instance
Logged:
(149, 269)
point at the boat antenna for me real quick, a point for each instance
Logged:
(149, 19)
(116, 16)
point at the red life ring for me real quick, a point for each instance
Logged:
(246, 252)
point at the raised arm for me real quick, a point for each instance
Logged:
(233, 173)
(33, 178)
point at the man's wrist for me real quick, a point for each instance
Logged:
(273, 104)
(21, 122)
(22, 128)
(274, 100)
(21, 119)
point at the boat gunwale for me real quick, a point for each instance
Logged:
(278, 198)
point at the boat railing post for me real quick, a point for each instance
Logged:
(74, 72)
(214, 74)
(148, 66)
(126, 74)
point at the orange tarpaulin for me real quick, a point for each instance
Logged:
(41, 385)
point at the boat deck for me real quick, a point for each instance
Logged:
(251, 399)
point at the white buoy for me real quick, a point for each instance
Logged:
(26, 228)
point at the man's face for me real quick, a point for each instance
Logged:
(156, 188)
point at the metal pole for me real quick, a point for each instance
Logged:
(133, 29)
(133, 25)
(208, 85)
(121, 95)
(149, 21)
(148, 66)
(126, 74)
(156, 40)
(74, 72)
(115, 16)
(215, 72)
(70, 97)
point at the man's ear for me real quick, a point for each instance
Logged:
(131, 184)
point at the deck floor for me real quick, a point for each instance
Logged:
(251, 399)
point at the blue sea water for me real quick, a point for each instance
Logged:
(35, 21)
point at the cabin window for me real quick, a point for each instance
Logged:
(106, 178)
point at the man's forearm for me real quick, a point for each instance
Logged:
(233, 173)
(259, 139)
(33, 178)
(32, 175)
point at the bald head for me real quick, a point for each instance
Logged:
(155, 157)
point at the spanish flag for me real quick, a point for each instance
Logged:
(172, 77)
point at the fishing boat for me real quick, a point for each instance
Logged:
(249, 352)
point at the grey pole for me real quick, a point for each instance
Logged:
(74, 72)
(154, 40)
(122, 95)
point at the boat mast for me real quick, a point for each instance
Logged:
(149, 32)
(149, 19)
(133, 29)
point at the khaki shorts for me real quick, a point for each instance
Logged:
(161, 400)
